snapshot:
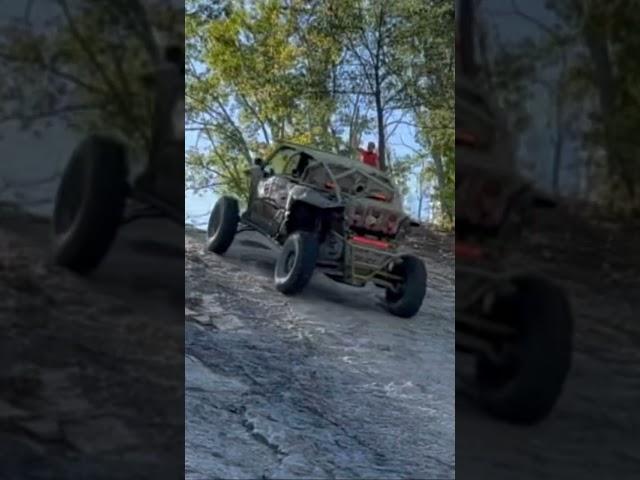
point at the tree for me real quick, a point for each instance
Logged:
(255, 76)
(608, 32)
(316, 72)
(590, 44)
(83, 65)
(425, 64)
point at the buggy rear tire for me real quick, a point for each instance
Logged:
(89, 204)
(223, 225)
(406, 302)
(525, 389)
(296, 262)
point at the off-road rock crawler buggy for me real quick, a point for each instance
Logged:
(326, 213)
(517, 325)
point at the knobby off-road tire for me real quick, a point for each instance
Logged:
(407, 300)
(89, 204)
(525, 390)
(296, 262)
(223, 225)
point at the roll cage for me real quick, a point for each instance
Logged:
(342, 177)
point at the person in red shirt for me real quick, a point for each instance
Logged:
(369, 156)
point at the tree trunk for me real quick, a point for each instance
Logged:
(557, 160)
(354, 130)
(465, 41)
(381, 140)
(606, 86)
(559, 143)
(420, 190)
(445, 208)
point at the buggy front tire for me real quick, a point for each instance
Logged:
(525, 388)
(223, 225)
(89, 204)
(406, 300)
(296, 262)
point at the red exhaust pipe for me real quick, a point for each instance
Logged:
(370, 242)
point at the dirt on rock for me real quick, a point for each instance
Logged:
(91, 381)
(591, 432)
(326, 384)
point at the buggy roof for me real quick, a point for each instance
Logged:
(330, 158)
(334, 159)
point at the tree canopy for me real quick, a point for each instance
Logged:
(580, 56)
(81, 62)
(326, 73)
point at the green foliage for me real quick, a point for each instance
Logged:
(321, 72)
(595, 44)
(427, 63)
(254, 77)
(80, 71)
(402, 171)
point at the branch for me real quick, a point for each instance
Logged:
(363, 64)
(413, 149)
(534, 21)
(49, 113)
(51, 69)
(208, 186)
(227, 117)
(379, 36)
(254, 112)
(121, 102)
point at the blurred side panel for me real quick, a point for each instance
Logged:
(546, 257)
(91, 239)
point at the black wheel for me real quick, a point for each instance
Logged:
(523, 383)
(223, 224)
(89, 204)
(296, 262)
(406, 300)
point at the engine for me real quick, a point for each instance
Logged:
(371, 219)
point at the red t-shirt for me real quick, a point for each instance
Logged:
(369, 158)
